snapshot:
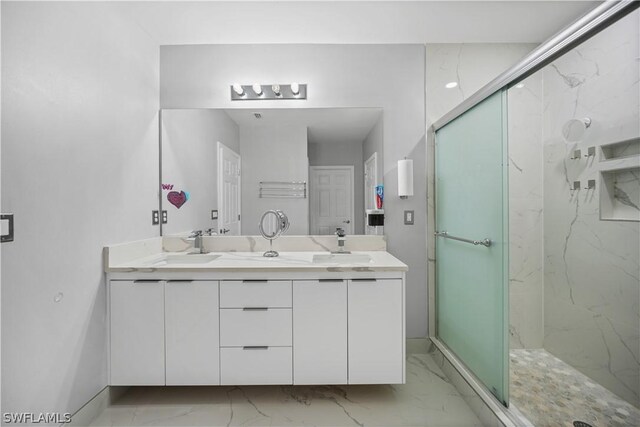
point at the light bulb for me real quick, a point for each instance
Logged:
(451, 85)
(276, 89)
(257, 89)
(295, 88)
(237, 88)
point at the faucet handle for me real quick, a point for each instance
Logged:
(210, 231)
(196, 233)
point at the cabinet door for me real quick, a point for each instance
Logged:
(192, 333)
(376, 332)
(137, 332)
(319, 332)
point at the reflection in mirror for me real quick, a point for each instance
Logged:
(222, 168)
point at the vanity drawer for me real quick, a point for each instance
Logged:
(255, 293)
(242, 327)
(253, 366)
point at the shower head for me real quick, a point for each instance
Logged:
(574, 129)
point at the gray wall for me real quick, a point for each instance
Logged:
(198, 76)
(80, 171)
(273, 153)
(190, 163)
(347, 154)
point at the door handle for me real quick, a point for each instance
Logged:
(6, 238)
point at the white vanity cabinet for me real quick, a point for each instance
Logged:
(320, 331)
(293, 328)
(164, 332)
(192, 332)
(376, 331)
(137, 332)
(255, 332)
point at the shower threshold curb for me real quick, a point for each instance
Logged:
(501, 415)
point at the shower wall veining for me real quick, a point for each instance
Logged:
(591, 268)
(526, 260)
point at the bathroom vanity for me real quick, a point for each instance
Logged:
(234, 317)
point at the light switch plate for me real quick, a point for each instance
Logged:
(164, 217)
(155, 217)
(408, 218)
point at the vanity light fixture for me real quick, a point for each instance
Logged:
(238, 89)
(273, 91)
(451, 85)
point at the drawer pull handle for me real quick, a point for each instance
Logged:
(255, 347)
(146, 281)
(364, 280)
(255, 309)
(180, 281)
(254, 281)
(330, 280)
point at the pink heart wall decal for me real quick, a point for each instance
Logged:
(177, 199)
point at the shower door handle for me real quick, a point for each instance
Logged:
(484, 242)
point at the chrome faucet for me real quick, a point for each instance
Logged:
(198, 247)
(342, 237)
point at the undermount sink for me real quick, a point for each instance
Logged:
(185, 259)
(341, 258)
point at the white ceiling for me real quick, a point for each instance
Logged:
(325, 125)
(369, 22)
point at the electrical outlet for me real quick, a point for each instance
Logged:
(155, 217)
(214, 214)
(164, 217)
(408, 217)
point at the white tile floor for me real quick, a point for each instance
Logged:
(428, 399)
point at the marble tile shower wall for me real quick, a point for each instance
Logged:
(526, 316)
(591, 266)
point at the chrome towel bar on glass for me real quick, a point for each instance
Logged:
(483, 242)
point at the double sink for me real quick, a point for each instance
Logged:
(199, 259)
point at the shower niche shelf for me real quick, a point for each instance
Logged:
(620, 194)
(621, 150)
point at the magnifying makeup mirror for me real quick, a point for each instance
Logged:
(272, 224)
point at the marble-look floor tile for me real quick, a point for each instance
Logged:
(551, 393)
(427, 399)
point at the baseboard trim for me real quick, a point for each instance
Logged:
(488, 409)
(94, 407)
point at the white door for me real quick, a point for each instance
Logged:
(370, 182)
(320, 351)
(137, 332)
(331, 199)
(192, 349)
(376, 335)
(228, 191)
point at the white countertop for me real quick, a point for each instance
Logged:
(255, 262)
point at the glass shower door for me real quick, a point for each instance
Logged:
(471, 241)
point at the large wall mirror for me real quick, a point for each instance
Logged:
(222, 168)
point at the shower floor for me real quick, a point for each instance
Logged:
(551, 393)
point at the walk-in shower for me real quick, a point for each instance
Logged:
(545, 163)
